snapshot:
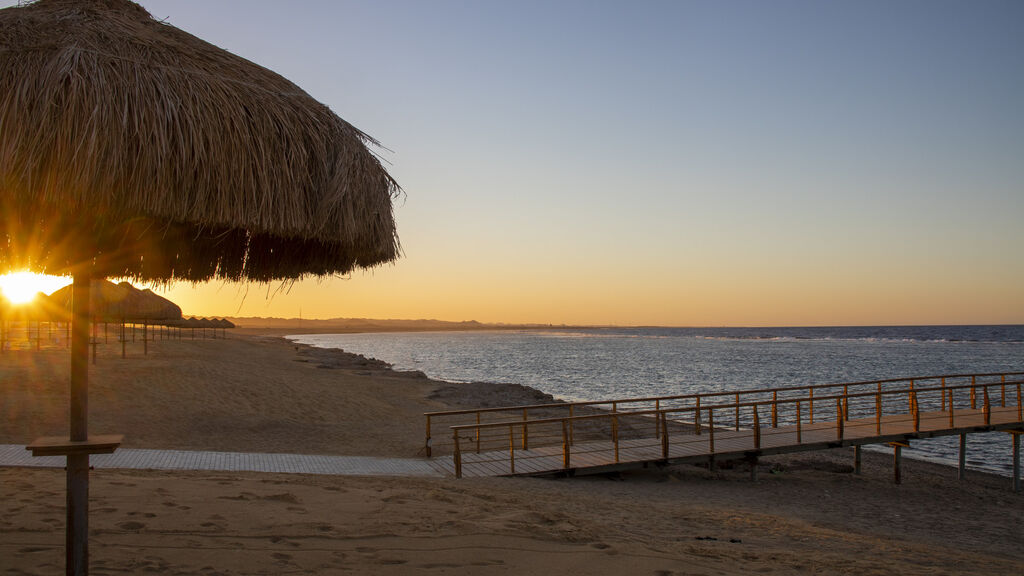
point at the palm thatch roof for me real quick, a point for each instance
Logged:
(143, 152)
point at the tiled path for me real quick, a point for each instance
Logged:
(17, 455)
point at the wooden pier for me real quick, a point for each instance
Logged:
(596, 437)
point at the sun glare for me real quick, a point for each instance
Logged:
(22, 287)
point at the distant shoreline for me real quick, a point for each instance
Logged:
(291, 326)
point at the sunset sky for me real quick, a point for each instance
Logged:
(670, 163)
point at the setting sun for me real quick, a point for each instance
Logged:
(22, 287)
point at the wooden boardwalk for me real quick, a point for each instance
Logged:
(582, 438)
(600, 456)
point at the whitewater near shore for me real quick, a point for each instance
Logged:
(250, 392)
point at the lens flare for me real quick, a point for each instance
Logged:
(22, 287)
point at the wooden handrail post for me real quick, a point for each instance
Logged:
(944, 395)
(478, 432)
(839, 419)
(810, 407)
(757, 429)
(950, 407)
(799, 437)
(572, 423)
(1002, 400)
(565, 444)
(987, 409)
(711, 430)
(526, 444)
(428, 435)
(1020, 407)
(846, 402)
(512, 447)
(696, 416)
(910, 397)
(737, 412)
(657, 424)
(775, 409)
(457, 455)
(664, 435)
(615, 436)
(916, 412)
(878, 414)
(973, 395)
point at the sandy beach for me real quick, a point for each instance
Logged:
(807, 514)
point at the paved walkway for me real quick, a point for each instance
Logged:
(17, 455)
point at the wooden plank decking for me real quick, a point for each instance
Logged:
(729, 444)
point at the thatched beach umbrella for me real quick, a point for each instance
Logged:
(131, 149)
(113, 302)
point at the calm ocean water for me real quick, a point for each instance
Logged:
(603, 363)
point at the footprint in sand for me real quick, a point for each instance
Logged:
(286, 497)
(133, 526)
(242, 496)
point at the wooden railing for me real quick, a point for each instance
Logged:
(875, 413)
(812, 397)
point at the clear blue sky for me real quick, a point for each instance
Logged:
(681, 162)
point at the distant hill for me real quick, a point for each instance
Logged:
(283, 326)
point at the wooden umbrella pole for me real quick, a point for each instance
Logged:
(76, 543)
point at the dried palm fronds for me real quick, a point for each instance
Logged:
(144, 152)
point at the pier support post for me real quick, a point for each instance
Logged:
(1016, 459)
(897, 460)
(962, 463)
(856, 459)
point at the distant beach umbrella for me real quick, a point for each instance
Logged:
(132, 149)
(113, 302)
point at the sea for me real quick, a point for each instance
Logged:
(582, 364)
